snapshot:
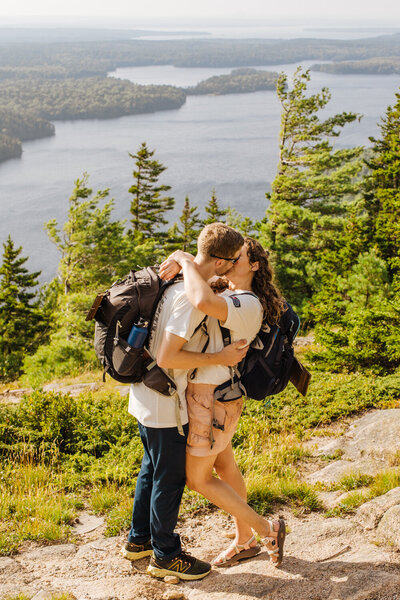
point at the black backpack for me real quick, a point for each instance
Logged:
(269, 362)
(134, 297)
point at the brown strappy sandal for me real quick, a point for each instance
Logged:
(277, 543)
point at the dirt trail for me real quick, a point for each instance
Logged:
(92, 569)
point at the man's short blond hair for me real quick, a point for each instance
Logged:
(219, 239)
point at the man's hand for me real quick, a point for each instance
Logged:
(232, 355)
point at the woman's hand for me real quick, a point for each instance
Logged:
(168, 269)
(172, 265)
(232, 355)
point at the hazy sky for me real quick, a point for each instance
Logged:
(384, 10)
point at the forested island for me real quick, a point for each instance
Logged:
(43, 81)
(382, 65)
(27, 106)
(239, 81)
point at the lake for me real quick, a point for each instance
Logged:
(229, 143)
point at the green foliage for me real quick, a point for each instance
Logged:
(311, 192)
(330, 397)
(358, 320)
(371, 487)
(95, 251)
(48, 424)
(352, 481)
(148, 205)
(22, 322)
(382, 196)
(243, 224)
(190, 228)
(214, 211)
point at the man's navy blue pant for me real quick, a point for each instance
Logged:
(159, 490)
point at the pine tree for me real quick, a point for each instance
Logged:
(382, 196)
(21, 320)
(190, 227)
(214, 211)
(244, 225)
(94, 248)
(311, 193)
(94, 252)
(148, 205)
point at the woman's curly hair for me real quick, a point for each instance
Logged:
(263, 285)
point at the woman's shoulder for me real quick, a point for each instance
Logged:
(242, 296)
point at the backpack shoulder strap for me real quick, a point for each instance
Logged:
(203, 326)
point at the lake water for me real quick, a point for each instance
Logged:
(229, 143)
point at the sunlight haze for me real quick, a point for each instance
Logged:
(386, 10)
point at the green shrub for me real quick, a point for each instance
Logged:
(60, 358)
(54, 425)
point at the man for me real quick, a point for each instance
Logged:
(163, 421)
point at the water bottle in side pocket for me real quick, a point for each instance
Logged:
(138, 334)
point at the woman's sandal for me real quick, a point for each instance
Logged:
(276, 552)
(241, 552)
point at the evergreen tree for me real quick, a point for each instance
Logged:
(94, 251)
(358, 322)
(190, 227)
(21, 320)
(244, 225)
(311, 193)
(214, 211)
(382, 196)
(148, 205)
(91, 245)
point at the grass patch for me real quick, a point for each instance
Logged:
(349, 504)
(365, 488)
(352, 481)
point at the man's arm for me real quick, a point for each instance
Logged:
(197, 289)
(171, 356)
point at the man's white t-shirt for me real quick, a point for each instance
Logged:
(176, 315)
(244, 320)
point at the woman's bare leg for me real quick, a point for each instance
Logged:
(199, 477)
(227, 470)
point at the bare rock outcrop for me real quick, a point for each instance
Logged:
(370, 513)
(369, 446)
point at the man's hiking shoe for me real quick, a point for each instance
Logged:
(183, 566)
(133, 551)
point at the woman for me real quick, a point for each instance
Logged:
(250, 297)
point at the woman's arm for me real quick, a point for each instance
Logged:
(197, 289)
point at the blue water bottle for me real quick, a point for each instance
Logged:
(138, 334)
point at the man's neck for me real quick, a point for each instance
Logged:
(206, 269)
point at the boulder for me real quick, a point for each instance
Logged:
(388, 530)
(369, 514)
(367, 447)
